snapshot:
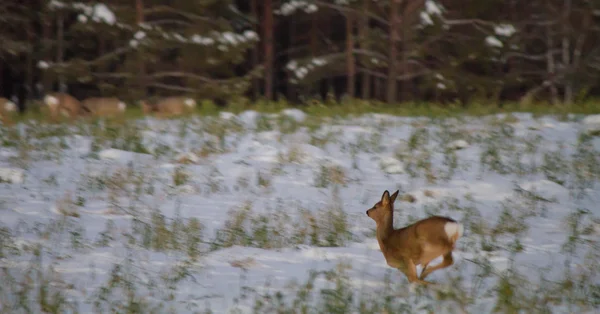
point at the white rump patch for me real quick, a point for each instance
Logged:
(122, 106)
(190, 103)
(51, 101)
(10, 106)
(452, 228)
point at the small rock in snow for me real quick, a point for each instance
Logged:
(295, 114)
(458, 144)
(188, 158)
(429, 193)
(186, 189)
(12, 175)
(226, 115)
(591, 124)
(249, 118)
(391, 165)
(409, 198)
(110, 153)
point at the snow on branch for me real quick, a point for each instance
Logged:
(98, 12)
(432, 8)
(291, 7)
(302, 70)
(223, 39)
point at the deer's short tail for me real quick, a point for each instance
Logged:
(454, 230)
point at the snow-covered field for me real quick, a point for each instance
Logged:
(266, 214)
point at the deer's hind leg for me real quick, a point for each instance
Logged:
(448, 261)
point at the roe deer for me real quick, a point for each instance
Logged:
(103, 106)
(169, 106)
(416, 244)
(7, 109)
(62, 103)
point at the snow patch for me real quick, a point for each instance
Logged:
(12, 175)
(546, 189)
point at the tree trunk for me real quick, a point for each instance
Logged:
(350, 63)
(313, 89)
(566, 51)
(29, 65)
(393, 52)
(256, 49)
(60, 34)
(363, 33)
(551, 64)
(292, 34)
(139, 19)
(314, 28)
(268, 47)
(46, 53)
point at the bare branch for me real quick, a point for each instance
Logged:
(403, 77)
(346, 9)
(468, 22)
(180, 74)
(112, 75)
(540, 57)
(172, 87)
(108, 56)
(167, 22)
(191, 16)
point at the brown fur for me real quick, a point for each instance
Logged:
(68, 106)
(169, 106)
(103, 106)
(416, 244)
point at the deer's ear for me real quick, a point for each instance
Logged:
(393, 197)
(385, 198)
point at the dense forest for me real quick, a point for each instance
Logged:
(394, 51)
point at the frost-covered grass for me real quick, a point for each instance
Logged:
(251, 212)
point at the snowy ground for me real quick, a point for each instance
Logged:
(94, 217)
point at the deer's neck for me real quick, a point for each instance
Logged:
(385, 227)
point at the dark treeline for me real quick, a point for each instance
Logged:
(389, 50)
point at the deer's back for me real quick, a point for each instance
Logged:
(173, 105)
(103, 105)
(66, 102)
